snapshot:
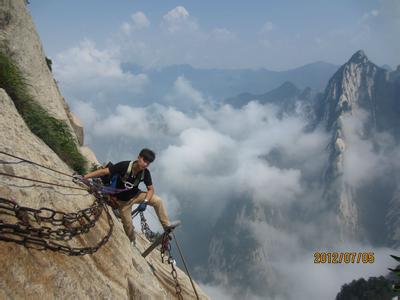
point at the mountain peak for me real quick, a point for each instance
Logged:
(359, 57)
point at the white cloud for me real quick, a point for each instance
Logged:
(201, 152)
(126, 28)
(86, 112)
(178, 20)
(99, 70)
(140, 20)
(363, 161)
(176, 121)
(223, 35)
(149, 122)
(87, 61)
(177, 14)
(184, 95)
(372, 14)
(127, 121)
(268, 27)
(269, 184)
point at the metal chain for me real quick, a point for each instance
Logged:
(166, 248)
(148, 233)
(69, 224)
(17, 235)
(28, 231)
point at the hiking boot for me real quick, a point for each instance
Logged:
(172, 225)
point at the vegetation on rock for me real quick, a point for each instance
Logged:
(375, 288)
(55, 133)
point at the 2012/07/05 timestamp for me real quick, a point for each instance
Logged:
(344, 257)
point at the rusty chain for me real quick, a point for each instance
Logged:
(166, 248)
(148, 233)
(31, 227)
(69, 225)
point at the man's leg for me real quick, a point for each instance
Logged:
(125, 208)
(158, 206)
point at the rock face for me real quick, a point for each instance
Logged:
(358, 86)
(116, 270)
(19, 40)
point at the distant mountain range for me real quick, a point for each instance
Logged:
(222, 83)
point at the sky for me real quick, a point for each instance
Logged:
(276, 35)
(204, 151)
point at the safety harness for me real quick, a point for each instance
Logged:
(112, 182)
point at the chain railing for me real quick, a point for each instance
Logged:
(28, 231)
(148, 233)
(166, 252)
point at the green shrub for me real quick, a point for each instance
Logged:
(375, 288)
(55, 133)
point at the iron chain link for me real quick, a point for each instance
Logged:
(166, 250)
(148, 233)
(42, 228)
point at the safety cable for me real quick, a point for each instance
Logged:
(5, 162)
(40, 181)
(184, 263)
(42, 187)
(34, 163)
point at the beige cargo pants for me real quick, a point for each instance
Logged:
(125, 208)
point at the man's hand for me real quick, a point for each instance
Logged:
(77, 178)
(142, 206)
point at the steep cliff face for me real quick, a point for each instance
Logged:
(117, 270)
(20, 41)
(361, 91)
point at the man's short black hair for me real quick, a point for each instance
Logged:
(148, 155)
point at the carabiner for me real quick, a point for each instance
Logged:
(128, 185)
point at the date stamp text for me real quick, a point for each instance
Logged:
(344, 257)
